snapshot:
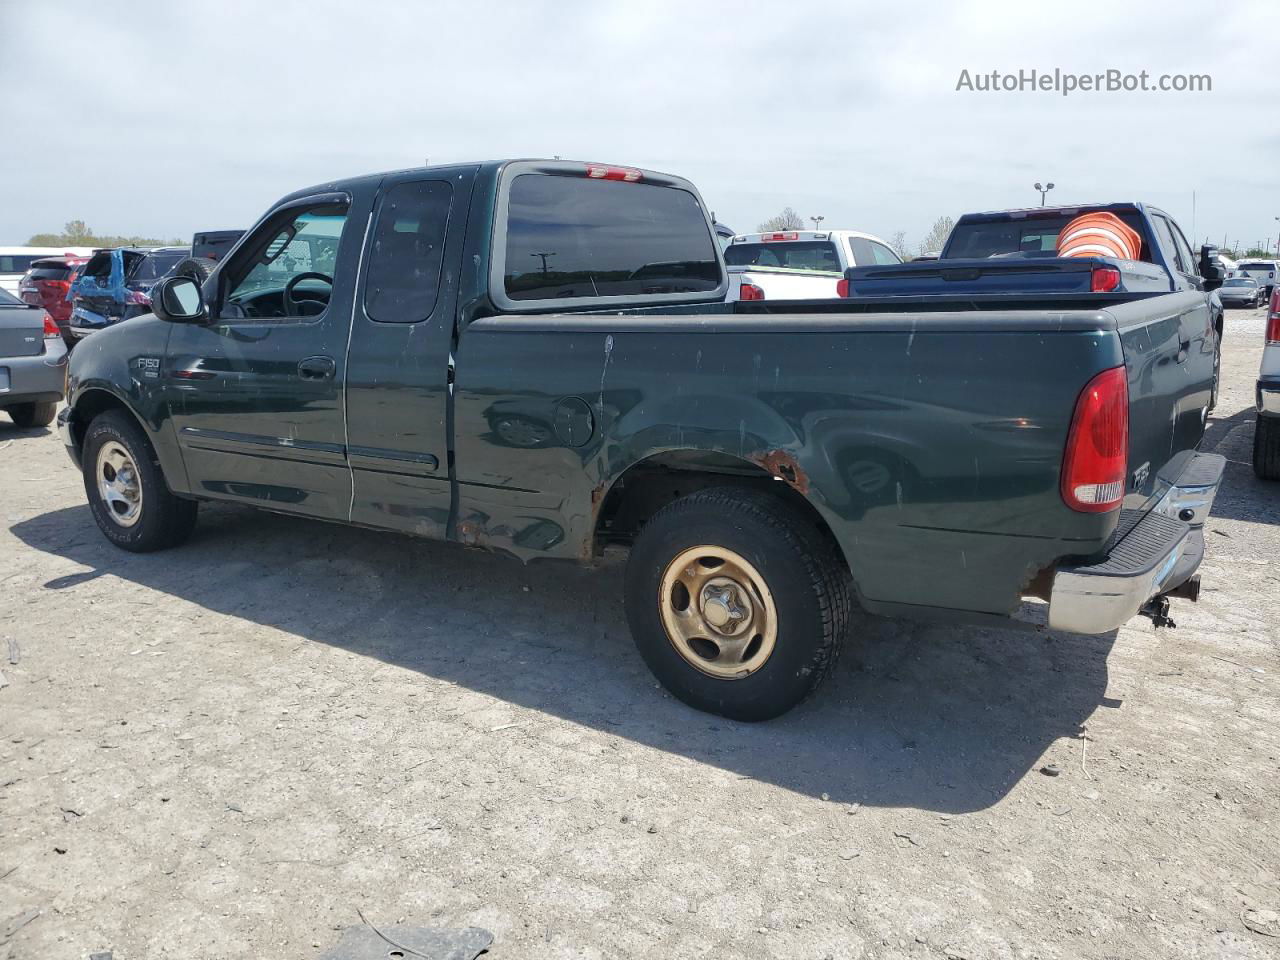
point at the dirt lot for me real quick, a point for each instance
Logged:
(224, 751)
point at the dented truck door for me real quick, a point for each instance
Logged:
(402, 326)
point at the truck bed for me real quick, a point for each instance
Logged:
(928, 434)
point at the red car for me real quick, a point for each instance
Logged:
(46, 285)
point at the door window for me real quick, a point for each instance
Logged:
(407, 251)
(1167, 244)
(1184, 250)
(288, 270)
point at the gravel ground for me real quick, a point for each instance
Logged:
(226, 750)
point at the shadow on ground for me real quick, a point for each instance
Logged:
(938, 717)
(1242, 495)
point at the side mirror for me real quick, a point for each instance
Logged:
(1211, 269)
(178, 300)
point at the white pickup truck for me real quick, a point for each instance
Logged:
(799, 264)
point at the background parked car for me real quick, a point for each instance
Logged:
(115, 285)
(47, 284)
(16, 261)
(32, 363)
(1263, 271)
(799, 264)
(1241, 292)
(1266, 430)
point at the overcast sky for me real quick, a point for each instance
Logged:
(163, 118)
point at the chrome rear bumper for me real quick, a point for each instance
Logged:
(1152, 554)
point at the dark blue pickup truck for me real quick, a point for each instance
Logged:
(1012, 254)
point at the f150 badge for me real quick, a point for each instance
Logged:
(149, 367)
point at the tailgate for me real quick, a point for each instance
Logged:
(783, 283)
(21, 332)
(1169, 345)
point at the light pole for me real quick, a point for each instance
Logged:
(1278, 241)
(544, 259)
(816, 221)
(1043, 190)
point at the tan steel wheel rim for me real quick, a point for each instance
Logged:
(118, 483)
(718, 612)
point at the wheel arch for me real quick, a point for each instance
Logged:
(92, 402)
(652, 482)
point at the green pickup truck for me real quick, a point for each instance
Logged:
(536, 357)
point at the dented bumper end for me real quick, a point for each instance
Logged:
(1154, 554)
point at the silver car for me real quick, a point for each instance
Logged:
(1241, 292)
(33, 362)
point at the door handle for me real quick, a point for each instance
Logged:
(317, 368)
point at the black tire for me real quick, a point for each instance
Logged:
(1266, 447)
(28, 415)
(197, 268)
(809, 584)
(1217, 371)
(164, 520)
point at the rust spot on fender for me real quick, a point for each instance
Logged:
(784, 466)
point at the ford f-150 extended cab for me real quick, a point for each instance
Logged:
(535, 357)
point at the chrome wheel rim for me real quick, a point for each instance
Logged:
(119, 484)
(718, 612)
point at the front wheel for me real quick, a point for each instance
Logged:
(28, 415)
(130, 500)
(736, 602)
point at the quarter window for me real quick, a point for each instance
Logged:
(407, 251)
(883, 254)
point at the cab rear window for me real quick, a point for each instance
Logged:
(795, 254)
(572, 237)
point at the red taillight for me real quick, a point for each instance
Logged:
(1104, 279)
(1273, 327)
(598, 171)
(1095, 463)
(842, 287)
(773, 237)
(50, 328)
(749, 291)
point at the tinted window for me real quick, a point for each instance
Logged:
(49, 273)
(575, 237)
(1257, 266)
(407, 250)
(1026, 236)
(797, 254)
(1240, 282)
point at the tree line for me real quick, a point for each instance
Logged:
(933, 241)
(76, 233)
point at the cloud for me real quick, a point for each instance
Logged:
(163, 118)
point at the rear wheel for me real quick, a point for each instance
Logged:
(1217, 372)
(27, 415)
(1266, 448)
(130, 500)
(736, 602)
